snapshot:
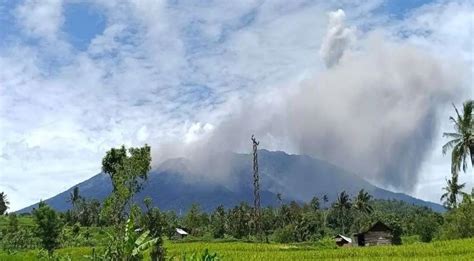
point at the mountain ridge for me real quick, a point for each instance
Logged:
(174, 186)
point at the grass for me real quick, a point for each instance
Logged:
(440, 250)
(22, 221)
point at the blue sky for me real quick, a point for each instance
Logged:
(78, 77)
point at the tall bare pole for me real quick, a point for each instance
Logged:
(256, 185)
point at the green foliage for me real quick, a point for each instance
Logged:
(341, 207)
(427, 227)
(20, 239)
(323, 250)
(285, 234)
(238, 220)
(314, 203)
(439, 250)
(407, 214)
(195, 220)
(87, 212)
(48, 226)
(218, 222)
(462, 139)
(154, 221)
(459, 222)
(127, 170)
(3, 203)
(129, 245)
(74, 196)
(362, 202)
(205, 256)
(453, 191)
(171, 221)
(12, 223)
(44, 255)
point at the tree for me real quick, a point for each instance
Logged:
(362, 202)
(427, 227)
(462, 139)
(12, 223)
(342, 205)
(154, 222)
(128, 169)
(74, 197)
(325, 199)
(131, 245)
(194, 219)
(453, 190)
(88, 212)
(48, 226)
(314, 204)
(279, 199)
(218, 220)
(459, 222)
(3, 203)
(239, 219)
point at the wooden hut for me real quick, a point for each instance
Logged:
(378, 234)
(342, 240)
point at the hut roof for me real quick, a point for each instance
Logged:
(347, 239)
(377, 226)
(181, 231)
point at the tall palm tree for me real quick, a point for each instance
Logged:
(342, 204)
(315, 205)
(462, 139)
(325, 199)
(280, 199)
(361, 202)
(74, 196)
(453, 190)
(3, 203)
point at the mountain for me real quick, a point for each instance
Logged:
(175, 184)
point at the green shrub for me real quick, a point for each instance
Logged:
(459, 222)
(284, 235)
(48, 226)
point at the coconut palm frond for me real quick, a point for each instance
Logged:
(450, 144)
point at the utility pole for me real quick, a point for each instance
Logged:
(256, 186)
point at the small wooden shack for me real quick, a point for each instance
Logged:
(343, 241)
(378, 234)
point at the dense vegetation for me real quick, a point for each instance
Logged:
(310, 224)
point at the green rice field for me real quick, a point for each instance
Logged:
(440, 250)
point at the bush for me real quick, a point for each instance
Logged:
(48, 226)
(459, 222)
(284, 235)
(426, 228)
(19, 240)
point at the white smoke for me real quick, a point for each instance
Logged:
(337, 38)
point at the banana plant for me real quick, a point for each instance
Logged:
(136, 244)
(130, 247)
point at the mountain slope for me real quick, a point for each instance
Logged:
(175, 186)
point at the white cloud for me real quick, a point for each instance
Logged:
(41, 18)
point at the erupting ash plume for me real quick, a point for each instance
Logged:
(337, 39)
(373, 111)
